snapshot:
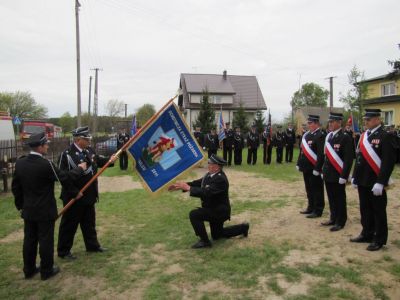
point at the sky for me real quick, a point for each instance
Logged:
(143, 46)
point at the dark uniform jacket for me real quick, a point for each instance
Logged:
(211, 141)
(316, 141)
(122, 139)
(33, 187)
(214, 193)
(278, 140)
(253, 140)
(228, 140)
(199, 137)
(69, 160)
(290, 137)
(384, 145)
(265, 137)
(238, 141)
(342, 144)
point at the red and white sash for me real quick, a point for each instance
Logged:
(311, 155)
(369, 154)
(334, 159)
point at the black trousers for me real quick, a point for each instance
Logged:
(123, 160)
(42, 233)
(289, 153)
(251, 156)
(373, 215)
(279, 154)
(200, 215)
(267, 152)
(315, 192)
(210, 152)
(238, 156)
(227, 154)
(337, 202)
(83, 215)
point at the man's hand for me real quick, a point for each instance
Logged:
(113, 158)
(315, 173)
(83, 166)
(179, 186)
(377, 189)
(297, 168)
(353, 184)
(342, 181)
(79, 196)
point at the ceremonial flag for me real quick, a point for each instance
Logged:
(134, 126)
(353, 123)
(221, 126)
(164, 149)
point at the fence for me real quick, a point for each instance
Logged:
(10, 150)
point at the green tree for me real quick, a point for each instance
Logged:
(310, 94)
(144, 113)
(240, 118)
(206, 117)
(22, 104)
(352, 100)
(67, 122)
(259, 121)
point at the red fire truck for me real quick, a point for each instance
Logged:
(31, 126)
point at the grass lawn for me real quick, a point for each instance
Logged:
(149, 254)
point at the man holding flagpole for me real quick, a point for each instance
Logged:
(310, 161)
(336, 170)
(375, 161)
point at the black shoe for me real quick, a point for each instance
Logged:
(306, 212)
(45, 276)
(33, 273)
(374, 246)
(246, 227)
(361, 239)
(100, 249)
(202, 244)
(328, 223)
(313, 216)
(68, 256)
(336, 228)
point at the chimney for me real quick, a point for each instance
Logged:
(224, 75)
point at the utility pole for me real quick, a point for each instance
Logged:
(78, 64)
(90, 94)
(331, 91)
(95, 100)
(126, 110)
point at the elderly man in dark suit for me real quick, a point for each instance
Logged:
(213, 190)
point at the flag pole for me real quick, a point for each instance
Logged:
(116, 155)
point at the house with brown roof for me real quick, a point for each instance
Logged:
(226, 92)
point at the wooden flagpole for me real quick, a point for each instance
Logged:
(116, 155)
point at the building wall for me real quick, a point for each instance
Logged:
(375, 88)
(387, 107)
(218, 99)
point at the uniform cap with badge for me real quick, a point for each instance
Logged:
(372, 113)
(81, 132)
(214, 159)
(37, 139)
(313, 118)
(335, 116)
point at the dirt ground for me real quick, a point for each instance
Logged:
(316, 242)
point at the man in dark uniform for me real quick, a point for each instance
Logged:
(336, 170)
(278, 142)
(213, 190)
(376, 155)
(252, 145)
(33, 189)
(228, 143)
(211, 143)
(83, 211)
(199, 136)
(290, 140)
(238, 144)
(122, 139)
(310, 161)
(267, 145)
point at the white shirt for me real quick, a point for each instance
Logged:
(80, 150)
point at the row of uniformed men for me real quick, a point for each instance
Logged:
(234, 143)
(328, 159)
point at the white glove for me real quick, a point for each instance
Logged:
(377, 189)
(353, 184)
(342, 181)
(322, 176)
(315, 173)
(204, 148)
(297, 168)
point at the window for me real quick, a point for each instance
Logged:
(388, 117)
(388, 89)
(217, 99)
